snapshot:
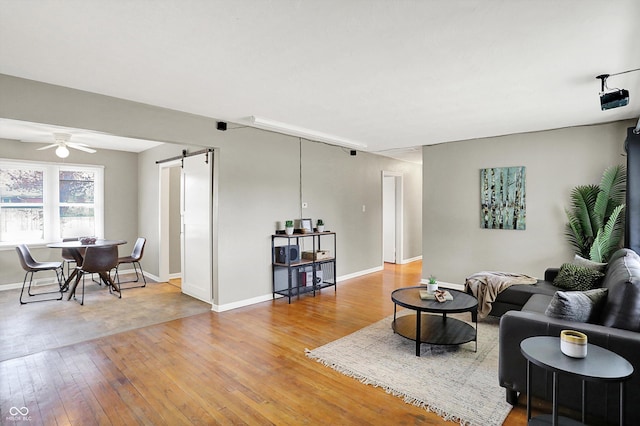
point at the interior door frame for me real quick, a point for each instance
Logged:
(399, 201)
(163, 220)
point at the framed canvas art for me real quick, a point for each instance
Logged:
(503, 198)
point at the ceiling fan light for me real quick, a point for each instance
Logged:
(62, 152)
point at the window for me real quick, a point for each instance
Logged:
(43, 202)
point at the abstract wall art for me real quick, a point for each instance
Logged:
(502, 198)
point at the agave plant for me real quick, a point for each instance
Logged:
(596, 217)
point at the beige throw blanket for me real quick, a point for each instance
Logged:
(486, 285)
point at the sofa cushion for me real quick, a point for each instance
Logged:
(579, 278)
(622, 309)
(519, 294)
(581, 261)
(537, 303)
(581, 306)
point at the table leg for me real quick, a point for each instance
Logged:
(584, 400)
(554, 412)
(621, 404)
(418, 332)
(77, 256)
(528, 391)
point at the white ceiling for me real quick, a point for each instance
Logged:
(25, 131)
(389, 74)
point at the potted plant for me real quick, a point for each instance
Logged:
(320, 225)
(288, 227)
(596, 217)
(432, 285)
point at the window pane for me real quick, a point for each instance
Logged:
(76, 187)
(21, 186)
(77, 222)
(21, 224)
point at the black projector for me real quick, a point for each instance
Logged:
(614, 99)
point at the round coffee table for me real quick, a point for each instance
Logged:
(434, 329)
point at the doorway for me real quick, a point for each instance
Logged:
(392, 212)
(169, 241)
(186, 222)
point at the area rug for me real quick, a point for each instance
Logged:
(453, 381)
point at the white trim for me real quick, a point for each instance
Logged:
(267, 297)
(360, 273)
(399, 203)
(413, 259)
(163, 220)
(241, 303)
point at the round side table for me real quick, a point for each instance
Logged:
(600, 365)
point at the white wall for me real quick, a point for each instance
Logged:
(454, 245)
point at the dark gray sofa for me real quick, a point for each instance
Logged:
(616, 328)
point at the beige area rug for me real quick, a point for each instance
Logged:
(453, 381)
(34, 327)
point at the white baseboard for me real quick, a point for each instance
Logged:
(413, 259)
(242, 303)
(267, 297)
(360, 273)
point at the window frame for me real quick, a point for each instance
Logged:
(51, 197)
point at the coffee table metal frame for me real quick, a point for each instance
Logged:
(600, 365)
(434, 329)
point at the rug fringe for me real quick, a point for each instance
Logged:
(406, 398)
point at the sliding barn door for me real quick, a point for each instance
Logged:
(197, 226)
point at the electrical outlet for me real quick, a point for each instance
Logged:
(364, 208)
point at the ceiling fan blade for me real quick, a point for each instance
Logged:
(81, 147)
(48, 146)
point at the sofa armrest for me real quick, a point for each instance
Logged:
(515, 326)
(550, 274)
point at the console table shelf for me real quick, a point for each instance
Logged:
(292, 275)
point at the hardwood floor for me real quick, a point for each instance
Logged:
(245, 366)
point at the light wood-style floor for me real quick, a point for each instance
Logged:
(245, 366)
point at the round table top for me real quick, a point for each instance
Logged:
(409, 297)
(600, 364)
(77, 244)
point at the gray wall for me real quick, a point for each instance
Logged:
(454, 245)
(258, 182)
(120, 194)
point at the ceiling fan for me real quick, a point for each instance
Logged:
(62, 145)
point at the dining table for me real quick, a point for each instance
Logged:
(75, 249)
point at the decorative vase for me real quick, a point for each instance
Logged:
(573, 343)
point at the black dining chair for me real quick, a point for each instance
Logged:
(134, 259)
(31, 266)
(99, 260)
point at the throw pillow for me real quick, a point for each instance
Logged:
(581, 261)
(578, 278)
(581, 306)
